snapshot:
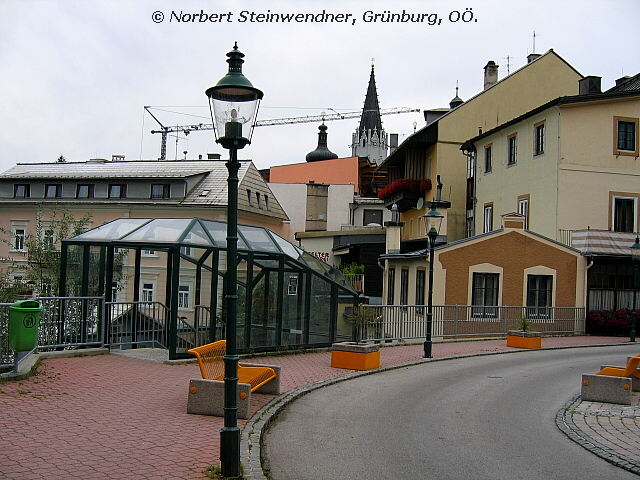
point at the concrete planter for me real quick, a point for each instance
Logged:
(355, 356)
(522, 339)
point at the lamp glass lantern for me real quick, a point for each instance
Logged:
(234, 104)
(434, 221)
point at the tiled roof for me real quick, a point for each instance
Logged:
(110, 169)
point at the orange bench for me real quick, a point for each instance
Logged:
(613, 384)
(206, 396)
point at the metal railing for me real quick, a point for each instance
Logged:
(65, 322)
(404, 322)
(356, 280)
(137, 324)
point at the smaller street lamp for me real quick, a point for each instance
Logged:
(234, 103)
(434, 221)
(635, 257)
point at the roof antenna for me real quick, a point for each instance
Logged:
(508, 58)
(534, 42)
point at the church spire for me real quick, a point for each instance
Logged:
(370, 118)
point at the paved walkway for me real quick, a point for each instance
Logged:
(116, 417)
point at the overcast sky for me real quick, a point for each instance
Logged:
(75, 74)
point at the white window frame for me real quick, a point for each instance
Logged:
(184, 290)
(613, 210)
(148, 252)
(523, 209)
(487, 218)
(14, 237)
(144, 291)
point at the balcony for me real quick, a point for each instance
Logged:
(404, 192)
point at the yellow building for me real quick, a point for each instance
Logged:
(435, 149)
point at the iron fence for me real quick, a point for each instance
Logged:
(133, 324)
(404, 322)
(65, 322)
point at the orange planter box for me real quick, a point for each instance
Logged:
(523, 342)
(354, 360)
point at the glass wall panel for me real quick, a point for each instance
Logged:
(264, 310)
(292, 326)
(320, 312)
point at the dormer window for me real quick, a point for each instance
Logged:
(117, 190)
(266, 202)
(53, 190)
(249, 195)
(160, 190)
(21, 190)
(85, 190)
(258, 199)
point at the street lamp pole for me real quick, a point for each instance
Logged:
(234, 103)
(434, 220)
(635, 256)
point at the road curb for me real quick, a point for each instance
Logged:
(564, 421)
(258, 424)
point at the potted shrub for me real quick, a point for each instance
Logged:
(524, 338)
(357, 355)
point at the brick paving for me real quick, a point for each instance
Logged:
(116, 417)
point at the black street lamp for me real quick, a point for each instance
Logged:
(635, 256)
(434, 220)
(234, 103)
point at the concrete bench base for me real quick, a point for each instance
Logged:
(603, 388)
(206, 397)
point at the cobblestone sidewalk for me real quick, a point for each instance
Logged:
(608, 430)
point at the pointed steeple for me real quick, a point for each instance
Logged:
(455, 101)
(321, 152)
(370, 118)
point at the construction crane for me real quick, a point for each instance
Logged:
(323, 117)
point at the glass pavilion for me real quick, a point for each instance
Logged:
(162, 280)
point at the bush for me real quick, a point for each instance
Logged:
(608, 322)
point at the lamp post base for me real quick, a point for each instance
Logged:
(427, 349)
(230, 452)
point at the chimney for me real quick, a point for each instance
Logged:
(622, 80)
(393, 230)
(393, 142)
(533, 56)
(490, 74)
(213, 156)
(589, 85)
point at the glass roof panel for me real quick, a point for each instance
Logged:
(258, 239)
(160, 230)
(197, 236)
(315, 264)
(218, 231)
(112, 230)
(287, 247)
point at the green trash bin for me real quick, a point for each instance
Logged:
(24, 324)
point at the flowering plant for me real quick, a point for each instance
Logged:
(609, 322)
(406, 185)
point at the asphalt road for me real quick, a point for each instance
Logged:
(490, 417)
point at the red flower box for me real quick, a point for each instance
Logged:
(405, 185)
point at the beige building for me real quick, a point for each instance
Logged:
(435, 149)
(106, 190)
(570, 164)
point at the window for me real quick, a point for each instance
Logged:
(84, 190)
(523, 209)
(183, 296)
(404, 287)
(160, 190)
(18, 239)
(53, 190)
(117, 190)
(148, 252)
(488, 217)
(539, 295)
(249, 195)
(391, 280)
(372, 216)
(420, 276)
(538, 144)
(625, 136)
(21, 190)
(488, 153)
(148, 289)
(48, 237)
(258, 200)
(624, 214)
(185, 250)
(485, 295)
(512, 149)
(266, 202)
